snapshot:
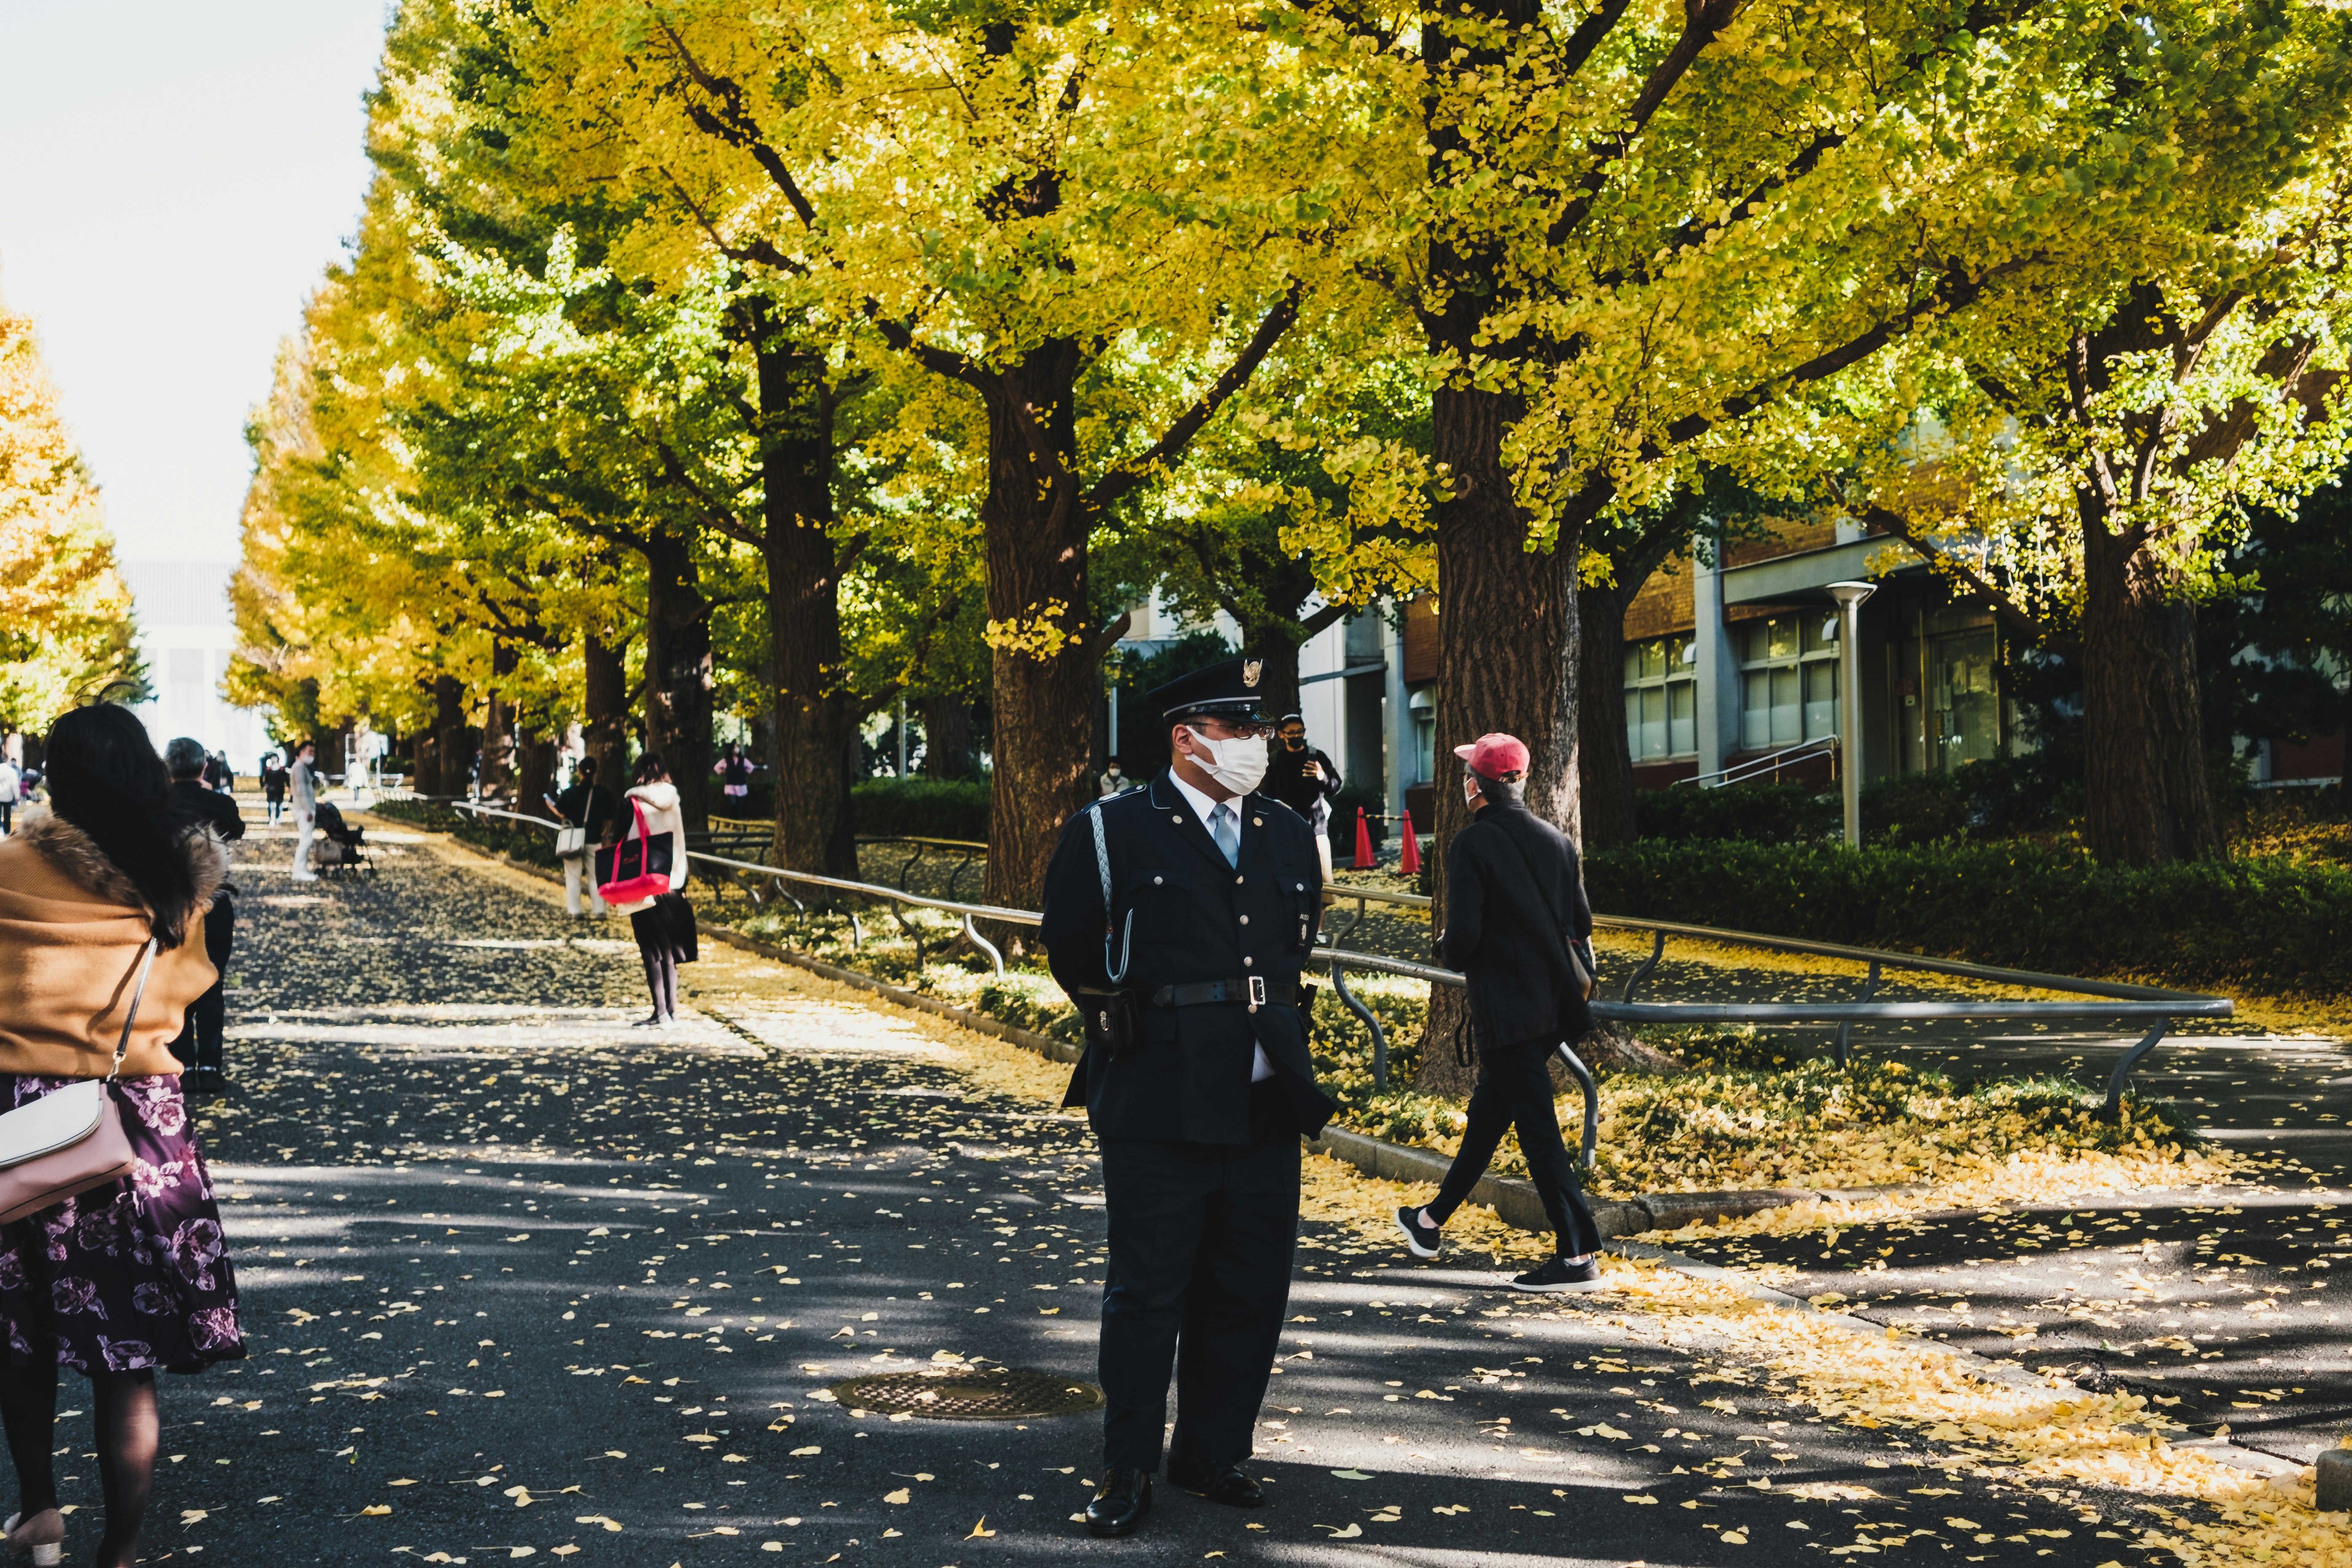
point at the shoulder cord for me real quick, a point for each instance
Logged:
(122, 1045)
(1117, 971)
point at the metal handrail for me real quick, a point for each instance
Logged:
(2136, 1002)
(1739, 773)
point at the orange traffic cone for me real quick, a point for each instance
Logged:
(1409, 860)
(1364, 861)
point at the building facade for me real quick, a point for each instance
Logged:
(186, 636)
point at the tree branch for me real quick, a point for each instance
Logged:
(1702, 20)
(2003, 605)
(1099, 646)
(1128, 475)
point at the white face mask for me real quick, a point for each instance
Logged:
(1238, 765)
(1470, 791)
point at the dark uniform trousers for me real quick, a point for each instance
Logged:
(1200, 1164)
(199, 1044)
(1203, 1252)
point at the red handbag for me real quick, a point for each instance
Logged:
(650, 881)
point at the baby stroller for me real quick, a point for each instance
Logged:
(340, 846)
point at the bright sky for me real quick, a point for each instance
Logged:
(174, 178)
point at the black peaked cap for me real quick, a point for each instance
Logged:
(1228, 690)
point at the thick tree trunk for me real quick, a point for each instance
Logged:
(1277, 655)
(677, 673)
(1507, 661)
(816, 716)
(947, 738)
(604, 691)
(1044, 670)
(498, 728)
(446, 775)
(1604, 763)
(535, 771)
(2146, 797)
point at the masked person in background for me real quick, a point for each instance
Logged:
(1305, 780)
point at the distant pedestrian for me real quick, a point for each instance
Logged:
(1305, 780)
(107, 886)
(587, 806)
(1114, 780)
(303, 784)
(199, 1044)
(1516, 926)
(273, 784)
(12, 789)
(662, 920)
(734, 771)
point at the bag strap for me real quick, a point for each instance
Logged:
(644, 845)
(122, 1044)
(1118, 971)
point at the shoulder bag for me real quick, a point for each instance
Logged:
(71, 1140)
(651, 877)
(1587, 982)
(1110, 1014)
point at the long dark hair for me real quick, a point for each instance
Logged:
(105, 778)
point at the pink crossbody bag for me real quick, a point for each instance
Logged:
(70, 1140)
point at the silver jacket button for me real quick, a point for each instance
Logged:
(1156, 882)
(1247, 961)
(1246, 920)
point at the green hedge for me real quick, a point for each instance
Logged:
(921, 808)
(2280, 926)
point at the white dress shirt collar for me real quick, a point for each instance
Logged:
(1200, 803)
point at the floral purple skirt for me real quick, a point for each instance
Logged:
(128, 1276)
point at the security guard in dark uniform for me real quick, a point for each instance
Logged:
(1178, 917)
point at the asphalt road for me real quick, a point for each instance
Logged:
(522, 1281)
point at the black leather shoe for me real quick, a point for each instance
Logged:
(1120, 1502)
(1219, 1483)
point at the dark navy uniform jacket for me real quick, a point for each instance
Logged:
(1195, 918)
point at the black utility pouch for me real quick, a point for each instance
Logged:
(1110, 1023)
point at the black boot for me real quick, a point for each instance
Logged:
(1120, 1502)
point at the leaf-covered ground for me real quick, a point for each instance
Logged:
(523, 1281)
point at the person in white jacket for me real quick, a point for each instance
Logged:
(664, 924)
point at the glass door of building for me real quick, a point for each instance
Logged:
(1963, 717)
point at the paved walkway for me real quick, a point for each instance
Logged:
(523, 1281)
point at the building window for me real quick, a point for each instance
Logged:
(1661, 699)
(1787, 680)
(1963, 702)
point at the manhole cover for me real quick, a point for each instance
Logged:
(964, 1394)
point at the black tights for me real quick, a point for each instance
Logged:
(127, 1432)
(661, 979)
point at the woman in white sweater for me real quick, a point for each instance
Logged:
(664, 924)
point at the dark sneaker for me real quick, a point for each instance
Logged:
(1559, 1275)
(1218, 1483)
(1421, 1240)
(205, 1081)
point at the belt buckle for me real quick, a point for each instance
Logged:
(1257, 990)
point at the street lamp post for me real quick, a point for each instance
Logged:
(1849, 597)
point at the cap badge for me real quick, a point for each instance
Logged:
(1250, 671)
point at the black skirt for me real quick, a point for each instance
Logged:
(666, 929)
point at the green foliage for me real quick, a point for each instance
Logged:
(1767, 813)
(921, 808)
(2278, 925)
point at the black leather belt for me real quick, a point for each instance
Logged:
(1257, 990)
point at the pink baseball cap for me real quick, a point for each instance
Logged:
(1495, 756)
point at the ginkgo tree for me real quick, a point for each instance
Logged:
(66, 631)
(2098, 430)
(1019, 202)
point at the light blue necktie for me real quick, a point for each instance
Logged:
(1226, 830)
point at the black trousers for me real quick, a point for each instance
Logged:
(199, 1044)
(1202, 1239)
(1514, 1090)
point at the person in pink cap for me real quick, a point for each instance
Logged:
(1514, 909)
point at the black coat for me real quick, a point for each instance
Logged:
(1286, 780)
(1195, 918)
(1503, 929)
(209, 806)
